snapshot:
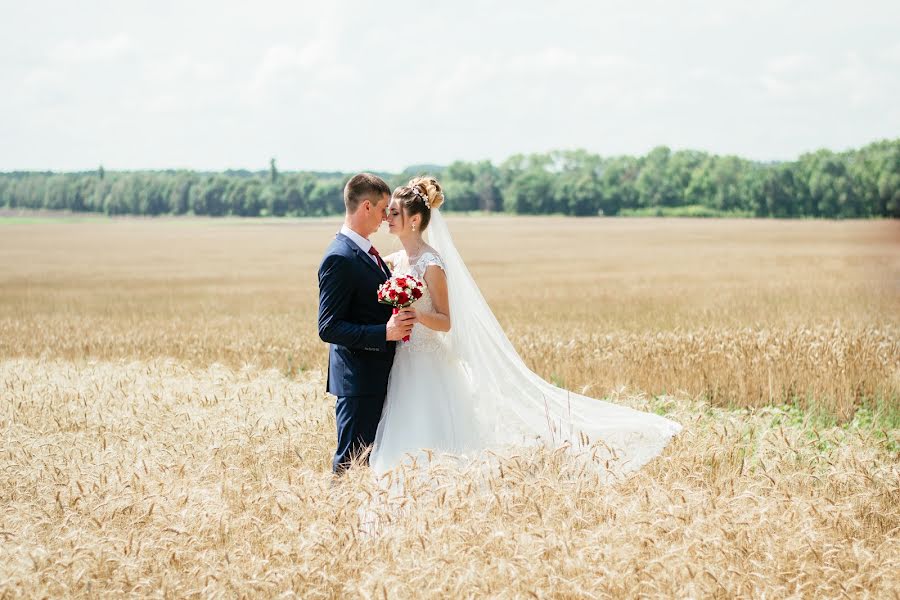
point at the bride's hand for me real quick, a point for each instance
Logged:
(411, 312)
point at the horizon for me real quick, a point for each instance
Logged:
(282, 169)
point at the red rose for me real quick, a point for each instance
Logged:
(403, 298)
(392, 295)
(417, 293)
(401, 281)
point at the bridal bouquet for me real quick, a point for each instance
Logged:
(400, 292)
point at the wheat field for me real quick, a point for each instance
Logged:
(166, 432)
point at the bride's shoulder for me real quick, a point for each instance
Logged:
(431, 257)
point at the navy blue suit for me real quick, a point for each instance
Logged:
(353, 322)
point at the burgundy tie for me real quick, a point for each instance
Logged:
(377, 256)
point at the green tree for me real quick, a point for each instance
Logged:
(299, 188)
(209, 198)
(778, 189)
(530, 192)
(579, 193)
(275, 201)
(858, 183)
(831, 186)
(486, 185)
(327, 198)
(180, 192)
(655, 186)
(618, 182)
(459, 187)
(6, 196)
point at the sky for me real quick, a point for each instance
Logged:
(347, 85)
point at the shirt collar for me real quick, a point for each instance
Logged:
(359, 240)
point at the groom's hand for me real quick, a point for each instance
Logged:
(399, 326)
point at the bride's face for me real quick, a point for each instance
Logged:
(397, 223)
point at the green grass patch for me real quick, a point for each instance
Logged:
(41, 220)
(691, 210)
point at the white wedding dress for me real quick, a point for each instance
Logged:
(461, 393)
(429, 404)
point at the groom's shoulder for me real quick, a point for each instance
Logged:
(337, 252)
(338, 247)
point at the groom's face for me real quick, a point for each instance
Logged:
(377, 211)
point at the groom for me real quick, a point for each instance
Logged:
(361, 331)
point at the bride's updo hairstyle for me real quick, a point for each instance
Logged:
(419, 197)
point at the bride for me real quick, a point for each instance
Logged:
(458, 386)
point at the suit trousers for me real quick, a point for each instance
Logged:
(357, 420)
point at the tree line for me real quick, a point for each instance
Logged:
(858, 183)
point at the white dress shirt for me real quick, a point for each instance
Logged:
(360, 241)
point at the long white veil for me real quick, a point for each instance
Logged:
(515, 406)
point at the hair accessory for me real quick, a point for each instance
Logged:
(417, 192)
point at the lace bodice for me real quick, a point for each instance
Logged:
(421, 339)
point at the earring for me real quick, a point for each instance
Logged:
(414, 226)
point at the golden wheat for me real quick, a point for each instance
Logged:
(166, 432)
(743, 313)
(150, 478)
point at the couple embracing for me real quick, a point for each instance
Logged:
(456, 387)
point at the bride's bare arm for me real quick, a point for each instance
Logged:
(439, 320)
(391, 260)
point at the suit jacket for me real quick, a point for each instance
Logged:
(353, 322)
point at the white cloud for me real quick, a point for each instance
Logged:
(233, 84)
(288, 74)
(857, 80)
(791, 76)
(96, 50)
(524, 84)
(791, 63)
(891, 53)
(312, 70)
(42, 78)
(181, 67)
(851, 77)
(553, 58)
(469, 78)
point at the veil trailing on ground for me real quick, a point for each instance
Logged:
(514, 405)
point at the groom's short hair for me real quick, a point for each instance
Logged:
(362, 186)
